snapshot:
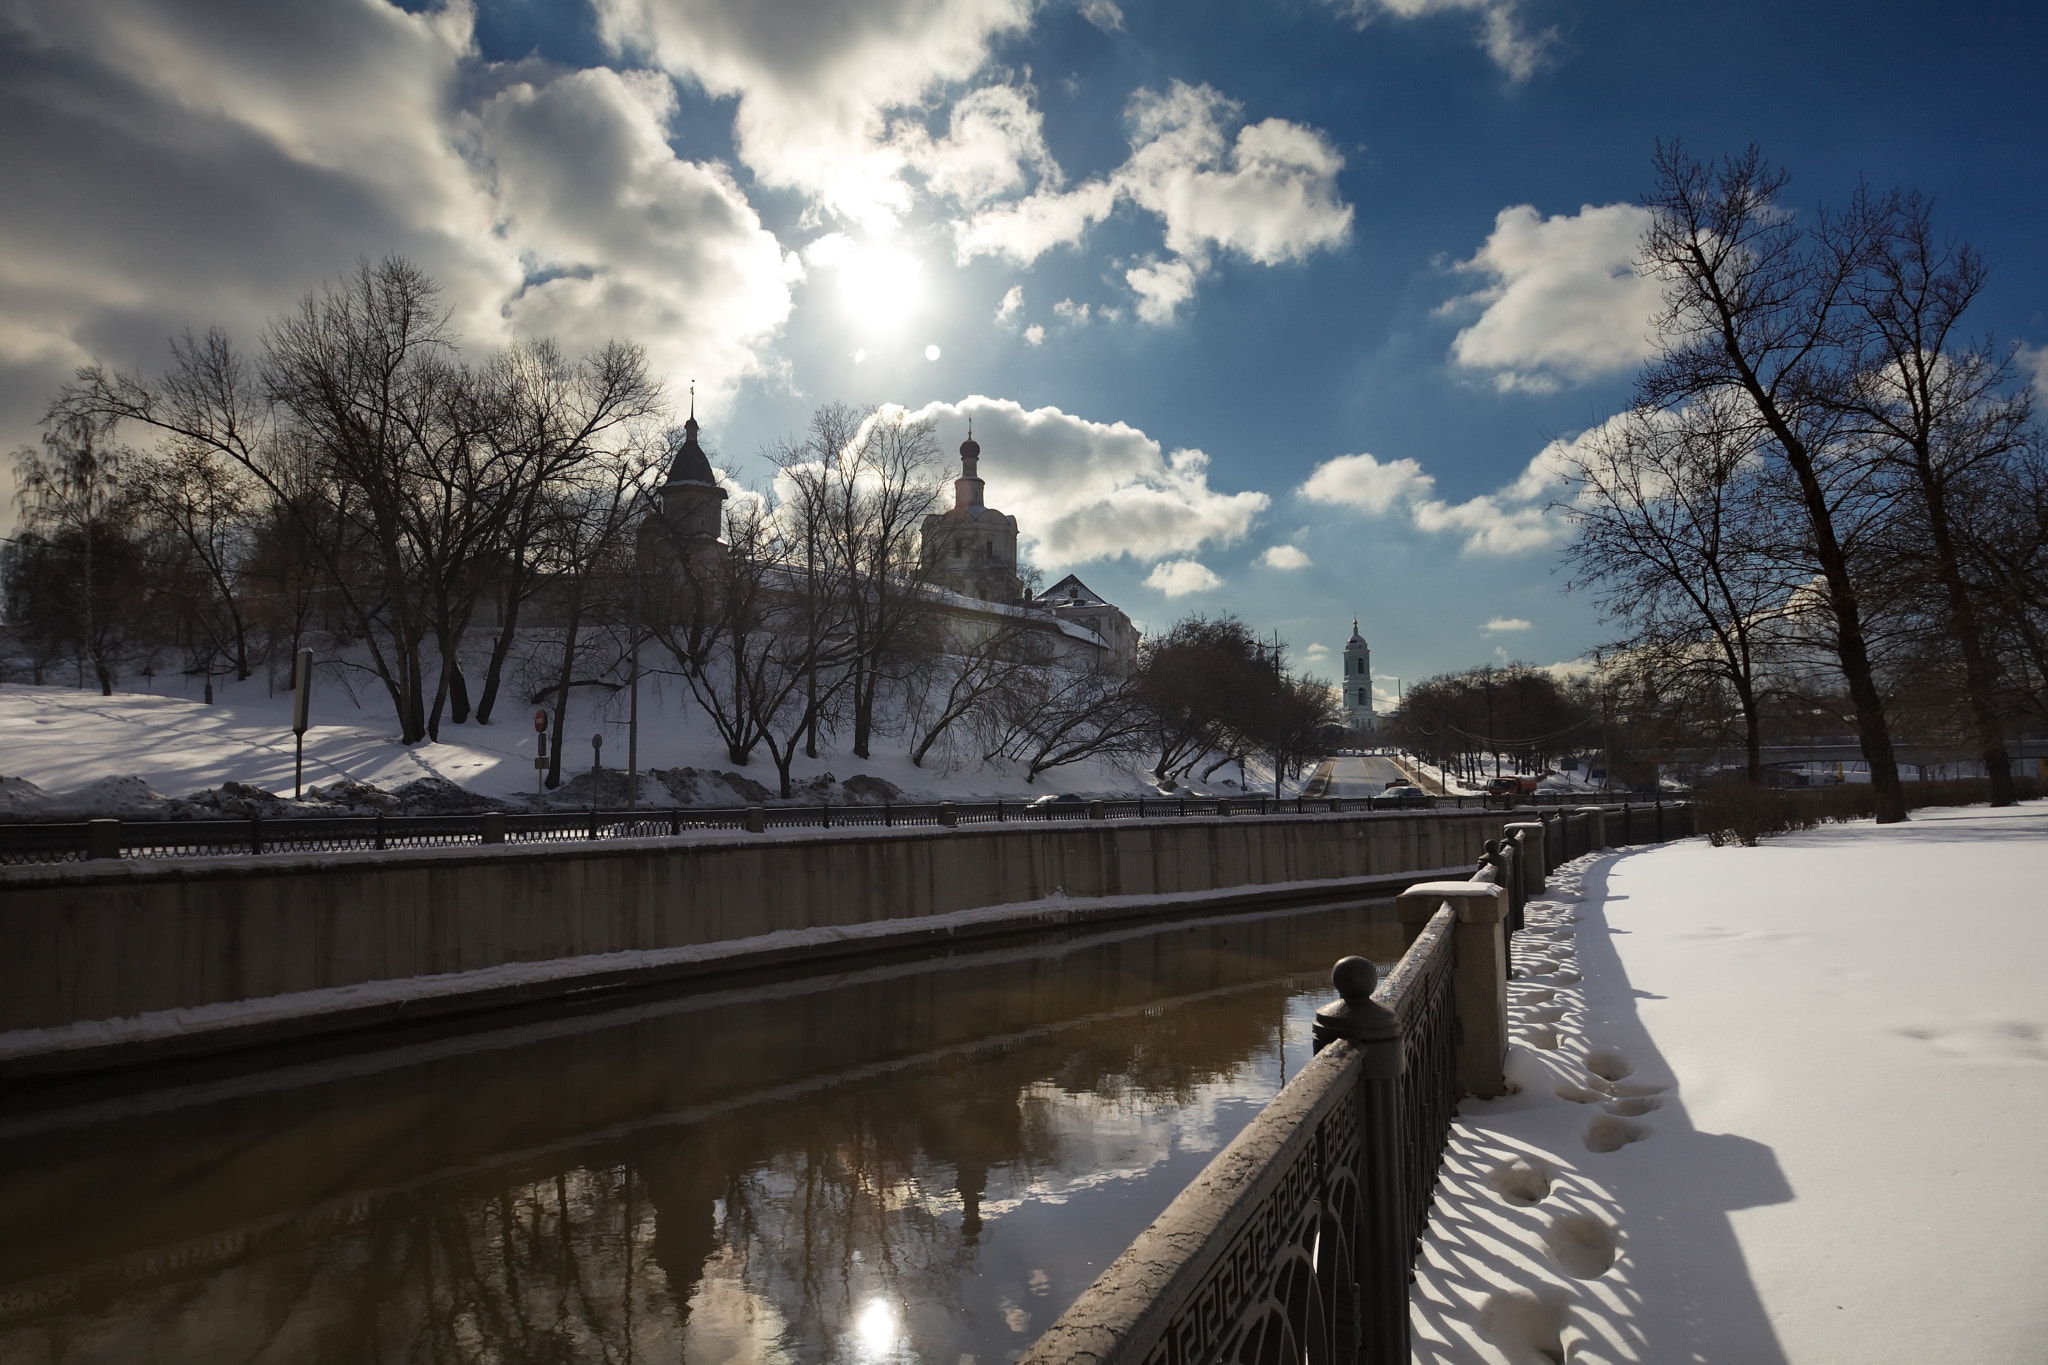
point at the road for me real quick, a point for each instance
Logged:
(1361, 776)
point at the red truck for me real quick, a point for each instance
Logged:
(1512, 786)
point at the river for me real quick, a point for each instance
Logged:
(916, 1160)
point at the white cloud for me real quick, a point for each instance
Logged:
(995, 136)
(1012, 304)
(187, 165)
(817, 80)
(1180, 577)
(1316, 653)
(1562, 301)
(1265, 191)
(1069, 311)
(1103, 14)
(1513, 48)
(634, 242)
(1506, 623)
(1515, 519)
(2033, 362)
(1365, 483)
(1084, 491)
(1162, 287)
(1284, 557)
(1490, 525)
(1034, 335)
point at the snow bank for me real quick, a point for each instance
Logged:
(1776, 1104)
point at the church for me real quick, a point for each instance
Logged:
(970, 558)
(970, 553)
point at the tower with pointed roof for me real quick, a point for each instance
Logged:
(972, 548)
(692, 503)
(1357, 681)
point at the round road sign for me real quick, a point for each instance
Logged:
(540, 721)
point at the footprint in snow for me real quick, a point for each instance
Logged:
(1607, 1065)
(1584, 1247)
(1549, 1014)
(1524, 1325)
(1524, 1180)
(1541, 995)
(1606, 1133)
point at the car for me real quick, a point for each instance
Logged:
(1063, 799)
(1401, 796)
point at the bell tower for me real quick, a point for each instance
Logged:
(1357, 681)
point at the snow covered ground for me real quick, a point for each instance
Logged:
(65, 740)
(1780, 1104)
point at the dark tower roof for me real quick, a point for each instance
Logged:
(690, 464)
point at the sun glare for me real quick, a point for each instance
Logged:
(879, 285)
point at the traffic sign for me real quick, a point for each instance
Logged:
(540, 720)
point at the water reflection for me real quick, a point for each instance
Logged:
(912, 1161)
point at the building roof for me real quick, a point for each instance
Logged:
(690, 464)
(1070, 591)
(1356, 638)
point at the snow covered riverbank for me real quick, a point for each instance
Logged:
(1781, 1104)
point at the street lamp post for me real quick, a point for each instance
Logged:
(302, 698)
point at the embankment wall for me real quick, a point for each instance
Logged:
(99, 941)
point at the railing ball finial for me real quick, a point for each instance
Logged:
(1357, 1015)
(1355, 978)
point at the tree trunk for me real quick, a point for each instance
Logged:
(1979, 678)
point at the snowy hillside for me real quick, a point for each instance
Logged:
(64, 750)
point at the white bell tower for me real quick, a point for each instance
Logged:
(1357, 682)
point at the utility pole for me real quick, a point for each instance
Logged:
(1278, 723)
(633, 695)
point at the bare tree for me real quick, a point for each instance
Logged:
(1677, 542)
(1937, 416)
(75, 500)
(1757, 305)
(977, 674)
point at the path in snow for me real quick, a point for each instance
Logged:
(1776, 1104)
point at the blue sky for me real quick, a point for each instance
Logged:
(1296, 291)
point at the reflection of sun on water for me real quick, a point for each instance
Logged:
(876, 1327)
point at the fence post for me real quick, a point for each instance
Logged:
(949, 815)
(757, 820)
(493, 827)
(255, 834)
(1382, 1257)
(380, 831)
(1098, 810)
(826, 815)
(1479, 986)
(1528, 836)
(593, 819)
(103, 838)
(675, 820)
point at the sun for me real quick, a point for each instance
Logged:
(880, 286)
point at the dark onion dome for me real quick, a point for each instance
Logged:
(690, 464)
(970, 449)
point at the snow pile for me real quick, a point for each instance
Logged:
(1774, 1104)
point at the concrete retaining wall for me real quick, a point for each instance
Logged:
(96, 941)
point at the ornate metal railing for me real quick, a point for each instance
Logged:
(66, 841)
(1295, 1243)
